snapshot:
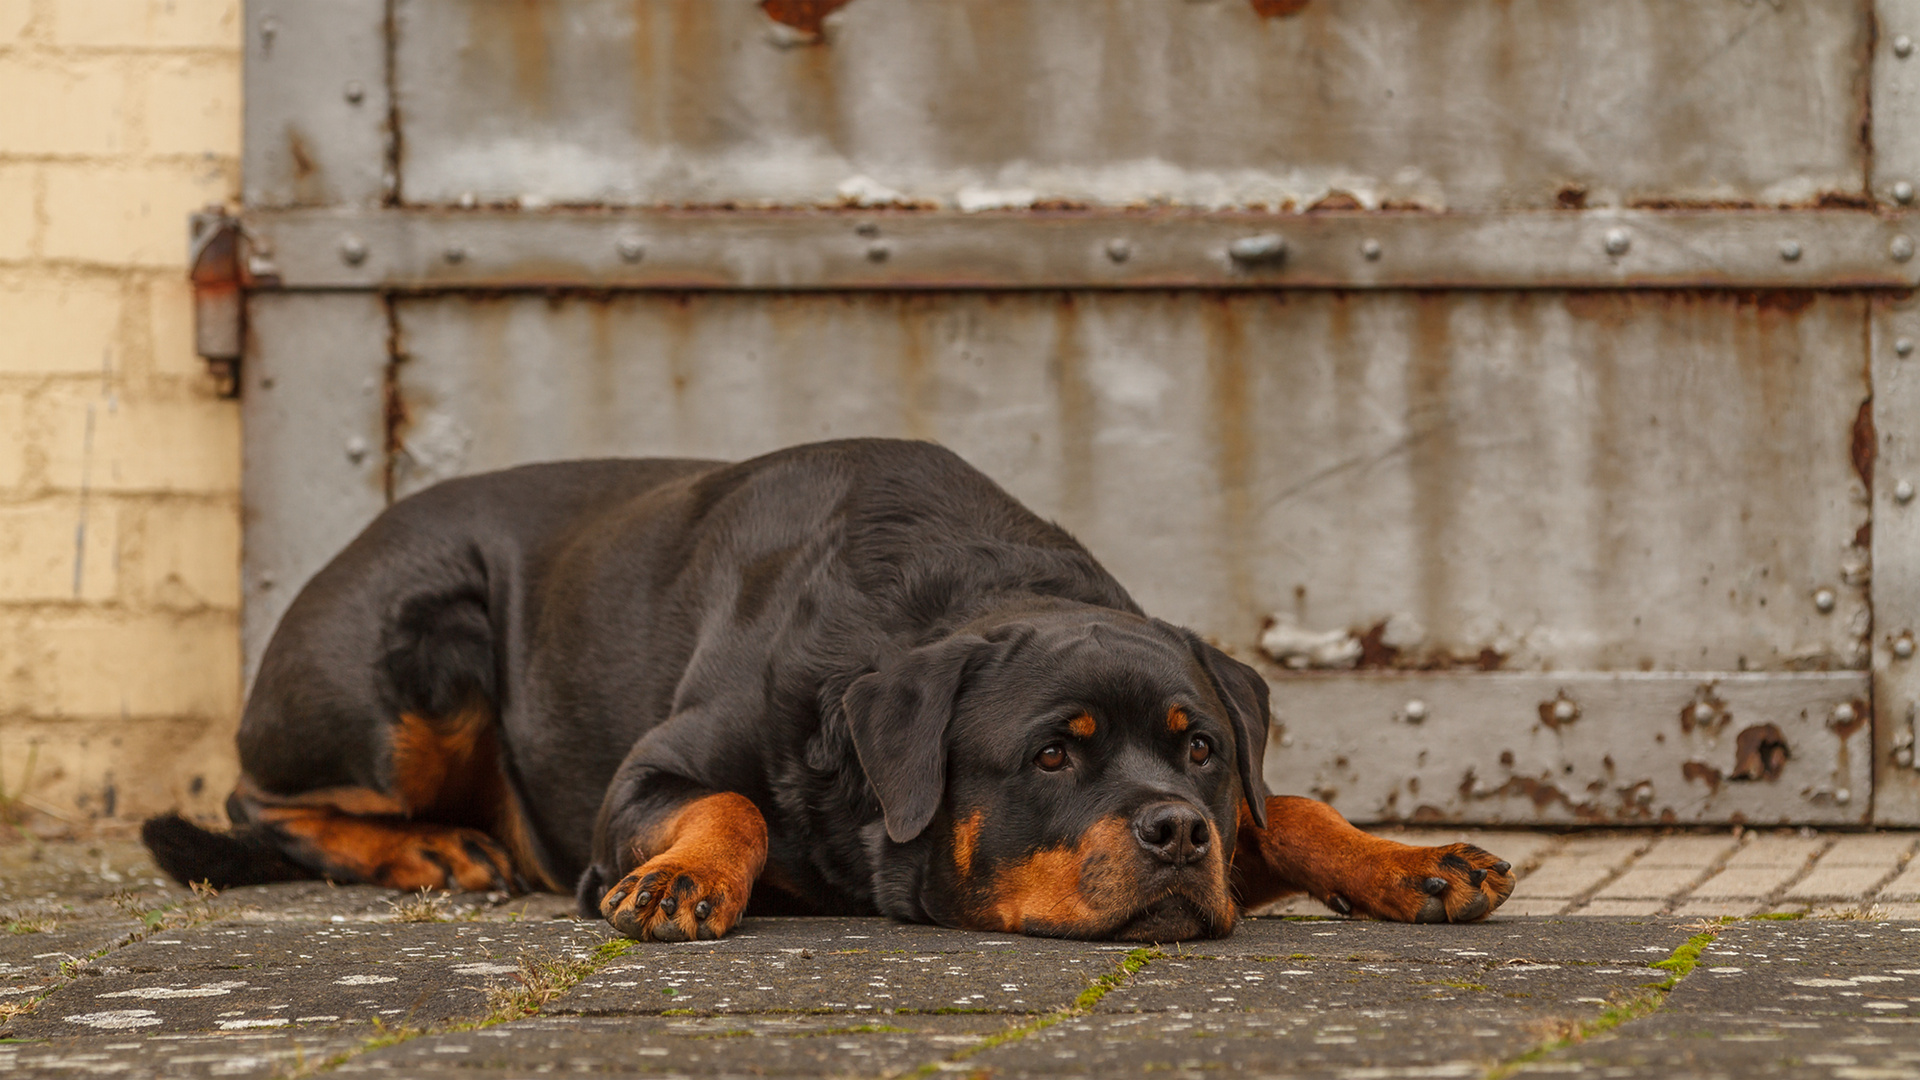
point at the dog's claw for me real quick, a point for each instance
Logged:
(1502, 866)
(1474, 879)
(703, 909)
(1434, 886)
(1340, 904)
(669, 905)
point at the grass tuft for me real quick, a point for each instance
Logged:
(423, 907)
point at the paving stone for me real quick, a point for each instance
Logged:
(1897, 911)
(264, 1054)
(1716, 909)
(1685, 851)
(824, 1045)
(1790, 852)
(1613, 909)
(1643, 882)
(1522, 906)
(372, 946)
(1884, 849)
(1831, 881)
(1905, 887)
(1563, 876)
(1743, 882)
(1559, 940)
(32, 958)
(1740, 1045)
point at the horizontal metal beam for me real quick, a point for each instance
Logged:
(426, 250)
(1580, 748)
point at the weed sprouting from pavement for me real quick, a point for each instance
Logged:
(422, 907)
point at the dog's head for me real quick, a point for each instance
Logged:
(1070, 771)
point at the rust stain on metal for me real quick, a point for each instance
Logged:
(1700, 770)
(1377, 655)
(805, 16)
(1760, 752)
(1707, 713)
(1559, 711)
(1277, 9)
(303, 165)
(1335, 200)
(1857, 719)
(1864, 445)
(1571, 197)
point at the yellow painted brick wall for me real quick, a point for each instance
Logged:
(119, 464)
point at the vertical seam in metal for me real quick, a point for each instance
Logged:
(390, 29)
(392, 409)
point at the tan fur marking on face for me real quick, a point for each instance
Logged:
(1176, 719)
(1081, 726)
(966, 835)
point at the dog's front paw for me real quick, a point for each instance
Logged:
(1453, 883)
(669, 899)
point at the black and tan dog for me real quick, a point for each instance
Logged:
(846, 678)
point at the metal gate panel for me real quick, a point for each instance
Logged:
(314, 465)
(973, 103)
(1065, 238)
(1601, 481)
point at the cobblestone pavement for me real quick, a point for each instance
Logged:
(1620, 955)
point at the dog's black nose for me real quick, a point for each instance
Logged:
(1173, 831)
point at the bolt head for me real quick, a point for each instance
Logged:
(1903, 346)
(1415, 711)
(1900, 248)
(1790, 250)
(878, 251)
(353, 250)
(1902, 191)
(1643, 794)
(1824, 599)
(1265, 248)
(631, 249)
(1902, 46)
(1903, 756)
(1704, 713)
(1119, 250)
(355, 93)
(454, 253)
(1903, 491)
(1903, 646)
(1843, 713)
(1563, 709)
(867, 228)
(356, 449)
(1618, 241)
(1842, 796)
(1286, 740)
(1370, 250)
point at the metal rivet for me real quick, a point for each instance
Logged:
(1843, 713)
(267, 580)
(867, 228)
(1842, 796)
(468, 200)
(269, 29)
(1563, 710)
(1265, 248)
(1824, 599)
(355, 93)
(1903, 491)
(1618, 241)
(1286, 740)
(1903, 756)
(1903, 46)
(1119, 250)
(454, 253)
(878, 251)
(1901, 248)
(1902, 191)
(1415, 711)
(353, 250)
(630, 248)
(1903, 346)
(1643, 794)
(356, 449)
(1790, 250)
(1903, 646)
(1370, 249)
(1703, 713)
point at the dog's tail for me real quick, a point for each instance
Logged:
(248, 855)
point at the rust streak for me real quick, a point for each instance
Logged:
(1863, 443)
(1277, 9)
(1700, 770)
(1760, 753)
(806, 16)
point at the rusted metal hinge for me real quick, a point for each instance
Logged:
(224, 262)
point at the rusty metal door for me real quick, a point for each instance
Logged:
(1526, 387)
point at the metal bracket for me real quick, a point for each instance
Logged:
(219, 331)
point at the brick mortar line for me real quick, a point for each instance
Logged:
(1777, 895)
(1880, 883)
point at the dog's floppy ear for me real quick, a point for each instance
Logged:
(1244, 692)
(899, 718)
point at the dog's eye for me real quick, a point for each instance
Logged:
(1200, 749)
(1051, 756)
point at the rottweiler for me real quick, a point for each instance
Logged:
(846, 678)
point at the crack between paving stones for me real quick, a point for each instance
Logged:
(1128, 966)
(192, 912)
(1648, 999)
(540, 981)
